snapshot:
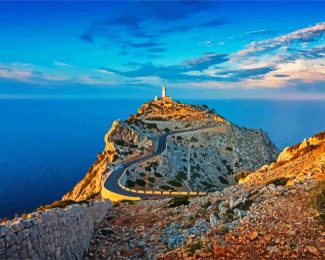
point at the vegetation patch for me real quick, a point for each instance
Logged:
(140, 182)
(181, 176)
(175, 183)
(129, 184)
(166, 187)
(317, 198)
(178, 201)
(223, 180)
(282, 181)
(229, 149)
(242, 175)
(152, 179)
(157, 174)
(61, 204)
(208, 185)
(193, 247)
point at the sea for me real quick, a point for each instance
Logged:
(47, 146)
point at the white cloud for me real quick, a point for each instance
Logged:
(62, 64)
(304, 35)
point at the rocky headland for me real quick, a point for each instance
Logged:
(206, 159)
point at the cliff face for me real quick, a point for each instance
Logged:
(121, 143)
(205, 159)
(270, 214)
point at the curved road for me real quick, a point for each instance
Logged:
(111, 183)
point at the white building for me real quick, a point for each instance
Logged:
(163, 92)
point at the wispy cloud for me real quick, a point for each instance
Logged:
(62, 64)
(302, 35)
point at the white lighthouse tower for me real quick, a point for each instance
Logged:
(163, 91)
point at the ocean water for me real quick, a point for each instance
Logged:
(46, 146)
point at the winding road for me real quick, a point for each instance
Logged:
(113, 191)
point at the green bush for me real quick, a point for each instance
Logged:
(166, 187)
(157, 174)
(152, 179)
(180, 176)
(129, 183)
(282, 181)
(175, 183)
(317, 198)
(120, 142)
(140, 182)
(223, 180)
(178, 201)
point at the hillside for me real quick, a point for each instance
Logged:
(206, 159)
(276, 212)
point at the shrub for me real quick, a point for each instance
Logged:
(178, 201)
(208, 185)
(147, 168)
(180, 176)
(61, 204)
(152, 126)
(142, 174)
(129, 183)
(282, 181)
(196, 245)
(120, 142)
(242, 175)
(166, 187)
(229, 149)
(194, 139)
(223, 180)
(157, 174)
(140, 182)
(152, 179)
(175, 183)
(317, 198)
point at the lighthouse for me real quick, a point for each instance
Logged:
(163, 91)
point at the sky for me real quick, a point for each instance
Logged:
(128, 49)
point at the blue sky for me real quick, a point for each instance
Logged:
(200, 49)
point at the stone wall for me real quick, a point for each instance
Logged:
(53, 234)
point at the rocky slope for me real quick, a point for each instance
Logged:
(276, 212)
(205, 159)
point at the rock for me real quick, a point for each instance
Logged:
(253, 235)
(214, 220)
(272, 249)
(272, 187)
(239, 213)
(312, 250)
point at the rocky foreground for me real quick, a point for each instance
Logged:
(276, 212)
(203, 160)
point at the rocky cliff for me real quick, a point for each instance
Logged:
(276, 212)
(206, 159)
